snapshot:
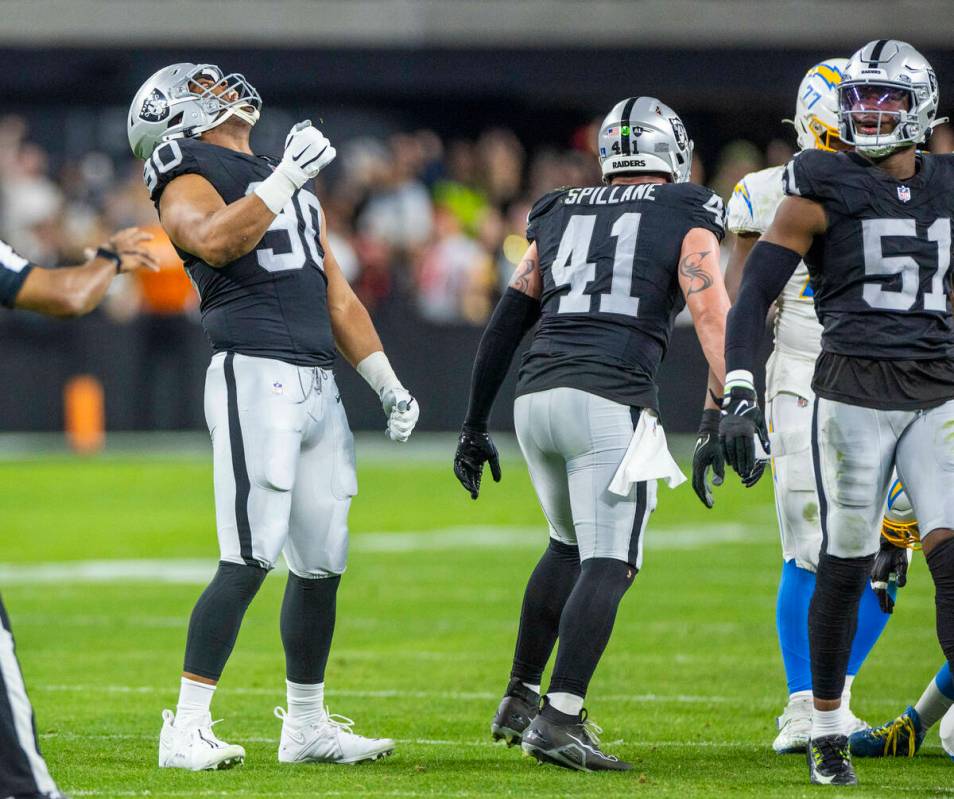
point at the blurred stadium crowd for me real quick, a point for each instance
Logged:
(435, 224)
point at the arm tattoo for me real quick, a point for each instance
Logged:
(691, 267)
(521, 277)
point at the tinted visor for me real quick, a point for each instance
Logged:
(872, 97)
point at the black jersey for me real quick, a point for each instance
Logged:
(609, 260)
(14, 269)
(273, 301)
(881, 278)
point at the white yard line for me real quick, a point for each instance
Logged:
(450, 696)
(199, 571)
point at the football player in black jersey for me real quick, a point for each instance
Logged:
(607, 270)
(874, 228)
(66, 292)
(275, 306)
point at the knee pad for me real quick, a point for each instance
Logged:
(614, 576)
(558, 550)
(240, 580)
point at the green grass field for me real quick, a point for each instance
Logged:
(687, 690)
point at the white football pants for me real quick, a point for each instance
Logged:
(284, 468)
(573, 442)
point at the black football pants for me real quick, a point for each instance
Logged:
(23, 772)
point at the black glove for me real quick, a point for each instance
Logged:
(753, 477)
(474, 448)
(890, 565)
(708, 453)
(742, 419)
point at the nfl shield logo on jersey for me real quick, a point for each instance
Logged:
(904, 193)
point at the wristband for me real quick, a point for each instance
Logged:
(110, 255)
(377, 372)
(739, 378)
(276, 191)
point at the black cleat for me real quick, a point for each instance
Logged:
(829, 761)
(517, 709)
(574, 745)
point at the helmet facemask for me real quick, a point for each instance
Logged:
(867, 111)
(220, 96)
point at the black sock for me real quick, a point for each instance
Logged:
(833, 619)
(307, 625)
(941, 563)
(217, 616)
(547, 591)
(587, 622)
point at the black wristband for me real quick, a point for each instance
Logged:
(110, 255)
(710, 421)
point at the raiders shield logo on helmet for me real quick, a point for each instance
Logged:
(679, 131)
(155, 107)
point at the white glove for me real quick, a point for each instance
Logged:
(307, 152)
(402, 411)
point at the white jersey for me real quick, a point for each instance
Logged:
(751, 209)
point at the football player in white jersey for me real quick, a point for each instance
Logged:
(789, 400)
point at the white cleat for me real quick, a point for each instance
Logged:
(794, 727)
(195, 747)
(329, 740)
(853, 724)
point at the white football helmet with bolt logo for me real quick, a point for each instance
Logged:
(888, 99)
(642, 134)
(816, 109)
(184, 100)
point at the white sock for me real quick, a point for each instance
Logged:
(931, 706)
(800, 696)
(534, 688)
(827, 722)
(571, 704)
(195, 699)
(306, 702)
(849, 679)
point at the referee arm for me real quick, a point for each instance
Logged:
(73, 290)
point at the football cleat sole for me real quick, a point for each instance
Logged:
(225, 765)
(506, 735)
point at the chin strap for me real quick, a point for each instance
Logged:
(242, 112)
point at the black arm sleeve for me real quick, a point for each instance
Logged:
(767, 270)
(514, 315)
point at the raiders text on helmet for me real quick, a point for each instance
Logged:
(642, 134)
(887, 81)
(184, 100)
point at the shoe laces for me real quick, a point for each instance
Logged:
(830, 752)
(899, 732)
(590, 727)
(335, 720)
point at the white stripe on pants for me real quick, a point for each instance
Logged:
(22, 713)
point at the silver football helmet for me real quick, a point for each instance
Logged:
(184, 100)
(816, 108)
(887, 81)
(642, 134)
